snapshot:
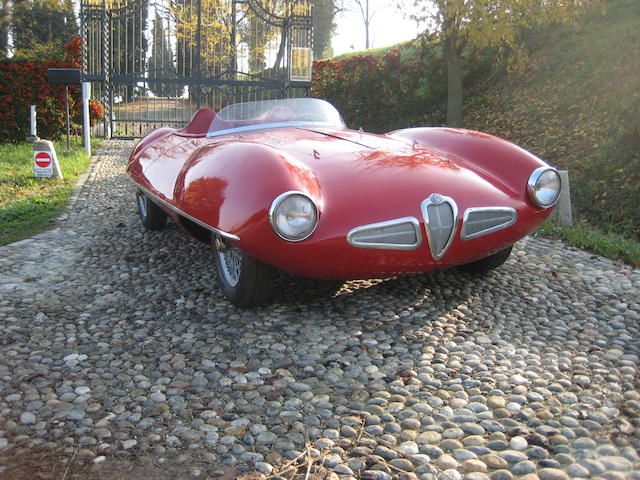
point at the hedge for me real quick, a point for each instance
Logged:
(24, 83)
(403, 87)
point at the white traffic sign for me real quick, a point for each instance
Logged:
(42, 164)
(45, 161)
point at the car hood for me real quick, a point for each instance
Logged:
(327, 150)
(381, 165)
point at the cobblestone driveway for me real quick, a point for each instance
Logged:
(115, 341)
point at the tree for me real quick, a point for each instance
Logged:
(367, 16)
(324, 25)
(41, 28)
(161, 63)
(204, 39)
(5, 21)
(467, 24)
(367, 12)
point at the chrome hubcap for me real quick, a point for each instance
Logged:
(230, 263)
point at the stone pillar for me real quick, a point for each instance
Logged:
(45, 160)
(562, 212)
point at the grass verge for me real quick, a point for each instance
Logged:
(610, 245)
(27, 204)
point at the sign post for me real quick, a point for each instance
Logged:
(33, 135)
(66, 115)
(45, 160)
(86, 124)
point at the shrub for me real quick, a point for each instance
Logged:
(402, 87)
(24, 83)
(96, 112)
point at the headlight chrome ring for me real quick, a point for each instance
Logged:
(544, 187)
(293, 216)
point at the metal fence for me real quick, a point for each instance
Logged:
(155, 62)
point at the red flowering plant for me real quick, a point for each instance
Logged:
(24, 83)
(96, 112)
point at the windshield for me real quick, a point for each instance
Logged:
(290, 112)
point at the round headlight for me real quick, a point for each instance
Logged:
(293, 216)
(544, 187)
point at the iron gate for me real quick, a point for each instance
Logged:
(155, 62)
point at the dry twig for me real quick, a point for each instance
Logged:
(66, 470)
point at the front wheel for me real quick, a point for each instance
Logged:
(151, 215)
(489, 263)
(245, 281)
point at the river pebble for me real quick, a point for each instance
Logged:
(118, 343)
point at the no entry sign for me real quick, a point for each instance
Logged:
(45, 161)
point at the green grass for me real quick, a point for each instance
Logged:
(372, 51)
(582, 235)
(28, 204)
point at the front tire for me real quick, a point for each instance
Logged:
(489, 263)
(151, 215)
(245, 281)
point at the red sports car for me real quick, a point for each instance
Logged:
(284, 184)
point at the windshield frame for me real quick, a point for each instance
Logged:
(262, 115)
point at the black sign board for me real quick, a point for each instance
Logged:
(64, 75)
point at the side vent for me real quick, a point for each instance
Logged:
(480, 221)
(398, 234)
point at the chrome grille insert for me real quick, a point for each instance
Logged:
(441, 222)
(399, 234)
(480, 221)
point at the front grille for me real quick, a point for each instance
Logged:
(481, 221)
(399, 234)
(441, 218)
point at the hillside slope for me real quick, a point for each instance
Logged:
(576, 103)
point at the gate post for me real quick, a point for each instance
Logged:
(107, 86)
(96, 54)
(198, 53)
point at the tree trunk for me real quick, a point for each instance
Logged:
(366, 36)
(280, 54)
(4, 30)
(366, 26)
(454, 83)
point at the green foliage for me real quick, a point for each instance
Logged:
(324, 12)
(40, 29)
(27, 204)
(373, 51)
(464, 25)
(5, 23)
(161, 63)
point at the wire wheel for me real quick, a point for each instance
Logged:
(230, 264)
(245, 281)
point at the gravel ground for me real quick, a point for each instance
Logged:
(117, 344)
